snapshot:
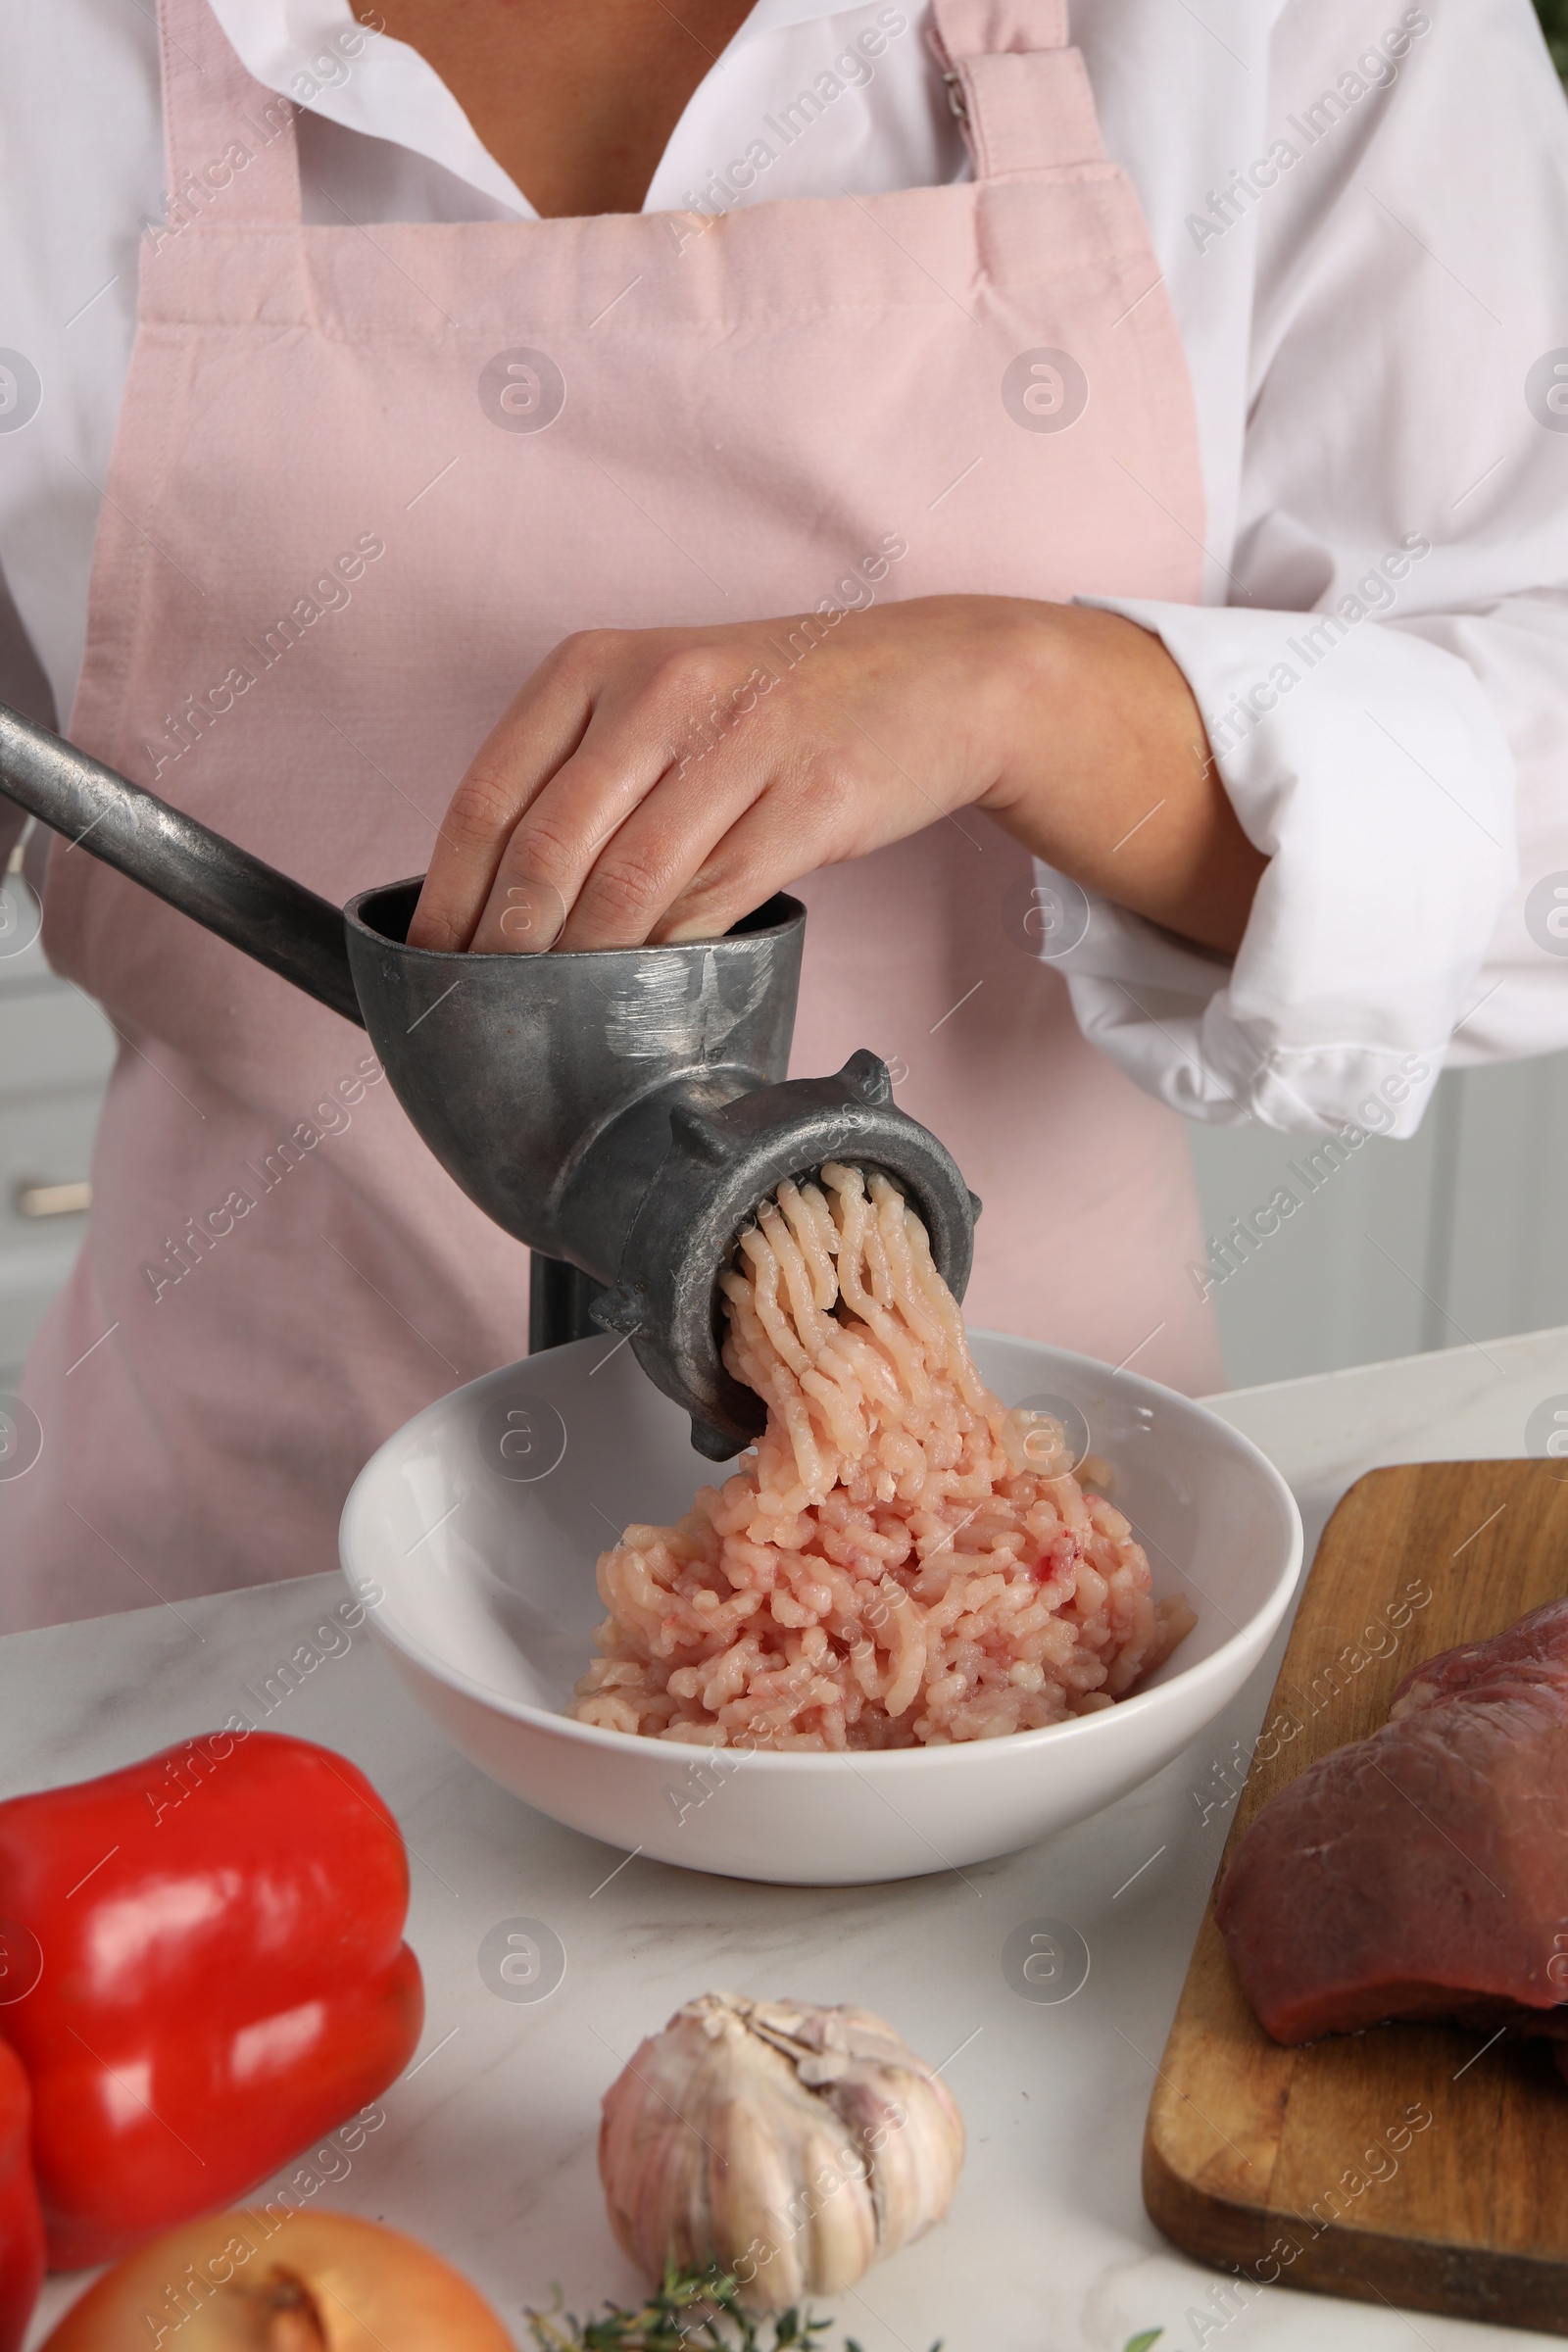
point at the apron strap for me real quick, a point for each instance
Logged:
(228, 140)
(1021, 93)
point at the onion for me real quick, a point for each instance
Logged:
(309, 2282)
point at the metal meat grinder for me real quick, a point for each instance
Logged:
(623, 1111)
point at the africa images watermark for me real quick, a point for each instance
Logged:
(333, 1637)
(205, 184)
(1377, 1642)
(1229, 2298)
(199, 1236)
(187, 1769)
(330, 2165)
(1374, 69)
(196, 714)
(1246, 1236)
(850, 69)
(1376, 592)
(707, 731)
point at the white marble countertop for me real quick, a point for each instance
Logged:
(488, 2151)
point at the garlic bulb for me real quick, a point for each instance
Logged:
(792, 2144)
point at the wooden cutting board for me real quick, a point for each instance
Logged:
(1411, 2164)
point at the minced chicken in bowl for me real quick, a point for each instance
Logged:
(902, 1560)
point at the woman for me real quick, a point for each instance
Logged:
(696, 428)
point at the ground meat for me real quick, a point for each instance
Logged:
(902, 1560)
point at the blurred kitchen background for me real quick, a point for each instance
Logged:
(1460, 1235)
(1457, 1235)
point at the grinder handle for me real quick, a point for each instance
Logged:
(223, 888)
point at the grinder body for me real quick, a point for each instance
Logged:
(622, 1111)
(625, 1110)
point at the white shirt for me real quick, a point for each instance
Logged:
(1376, 323)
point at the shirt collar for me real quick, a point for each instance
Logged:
(316, 53)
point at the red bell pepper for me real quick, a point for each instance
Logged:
(20, 2222)
(223, 1978)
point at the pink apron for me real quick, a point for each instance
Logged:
(364, 480)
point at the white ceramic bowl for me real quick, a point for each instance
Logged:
(480, 1524)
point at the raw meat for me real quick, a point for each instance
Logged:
(1421, 1872)
(902, 1560)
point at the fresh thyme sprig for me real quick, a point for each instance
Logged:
(699, 2307)
(688, 2308)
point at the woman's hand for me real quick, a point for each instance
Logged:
(658, 784)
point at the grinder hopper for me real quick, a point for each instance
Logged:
(621, 1110)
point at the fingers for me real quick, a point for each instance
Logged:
(613, 840)
(615, 837)
(767, 850)
(542, 728)
(659, 785)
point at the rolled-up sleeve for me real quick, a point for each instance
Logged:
(1386, 687)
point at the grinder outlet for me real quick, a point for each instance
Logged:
(721, 1165)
